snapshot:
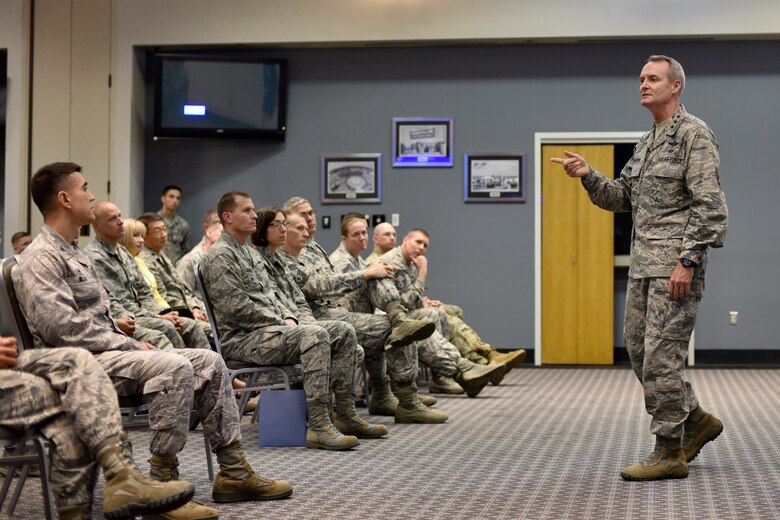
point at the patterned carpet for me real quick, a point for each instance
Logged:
(547, 443)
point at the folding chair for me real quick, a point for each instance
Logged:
(31, 447)
(261, 377)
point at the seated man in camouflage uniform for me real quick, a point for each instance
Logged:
(185, 267)
(132, 303)
(66, 394)
(372, 330)
(465, 338)
(66, 305)
(436, 351)
(256, 327)
(171, 288)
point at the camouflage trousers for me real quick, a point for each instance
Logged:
(372, 331)
(464, 337)
(657, 330)
(376, 294)
(328, 362)
(436, 352)
(175, 382)
(66, 392)
(190, 335)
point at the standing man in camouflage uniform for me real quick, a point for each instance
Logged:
(66, 394)
(257, 327)
(318, 282)
(132, 305)
(178, 229)
(65, 305)
(672, 188)
(212, 230)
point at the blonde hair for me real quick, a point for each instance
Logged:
(132, 227)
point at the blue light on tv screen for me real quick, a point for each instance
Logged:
(194, 110)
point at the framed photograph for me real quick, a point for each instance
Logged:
(422, 142)
(352, 178)
(494, 177)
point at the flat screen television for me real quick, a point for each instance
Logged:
(219, 97)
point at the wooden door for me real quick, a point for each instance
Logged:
(577, 263)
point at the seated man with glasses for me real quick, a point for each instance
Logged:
(170, 286)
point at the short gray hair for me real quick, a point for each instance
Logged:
(289, 205)
(676, 71)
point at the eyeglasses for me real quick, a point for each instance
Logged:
(158, 231)
(276, 224)
(309, 213)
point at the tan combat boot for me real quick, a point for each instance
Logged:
(441, 384)
(699, 429)
(163, 469)
(512, 359)
(666, 461)
(348, 421)
(473, 378)
(129, 493)
(427, 400)
(382, 400)
(321, 433)
(411, 410)
(238, 482)
(73, 513)
(405, 329)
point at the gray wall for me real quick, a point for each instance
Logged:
(342, 101)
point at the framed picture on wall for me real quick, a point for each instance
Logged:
(352, 178)
(494, 177)
(422, 142)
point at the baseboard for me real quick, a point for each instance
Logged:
(727, 357)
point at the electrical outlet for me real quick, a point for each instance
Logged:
(733, 317)
(395, 219)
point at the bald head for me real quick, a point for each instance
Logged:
(384, 237)
(108, 222)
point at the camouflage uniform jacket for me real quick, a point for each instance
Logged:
(173, 290)
(320, 283)
(409, 287)
(241, 291)
(344, 262)
(286, 288)
(128, 291)
(370, 259)
(185, 267)
(178, 237)
(672, 188)
(62, 298)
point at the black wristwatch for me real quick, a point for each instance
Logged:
(687, 263)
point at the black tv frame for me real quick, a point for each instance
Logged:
(169, 132)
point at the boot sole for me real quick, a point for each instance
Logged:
(707, 442)
(626, 476)
(405, 421)
(318, 446)
(225, 498)
(515, 363)
(158, 506)
(475, 386)
(439, 390)
(420, 334)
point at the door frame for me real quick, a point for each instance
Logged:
(540, 139)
